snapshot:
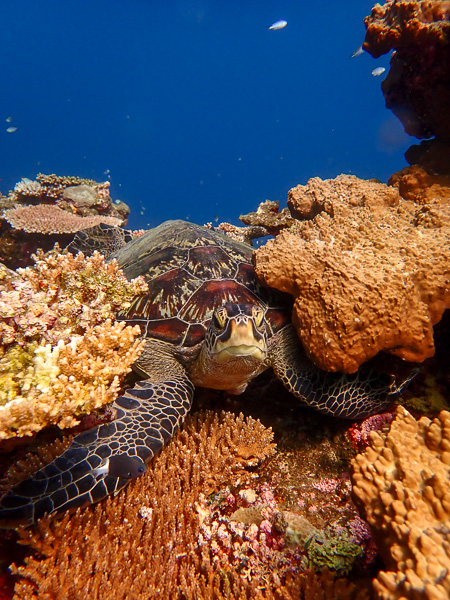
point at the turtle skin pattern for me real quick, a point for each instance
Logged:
(191, 271)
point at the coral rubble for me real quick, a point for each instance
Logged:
(401, 483)
(245, 235)
(368, 268)
(269, 216)
(61, 354)
(417, 88)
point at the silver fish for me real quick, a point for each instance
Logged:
(278, 25)
(8, 119)
(11, 129)
(378, 71)
(359, 50)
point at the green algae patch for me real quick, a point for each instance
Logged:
(336, 552)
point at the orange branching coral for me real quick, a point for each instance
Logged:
(370, 271)
(60, 352)
(48, 219)
(146, 541)
(401, 483)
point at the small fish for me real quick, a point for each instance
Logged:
(8, 119)
(122, 465)
(278, 25)
(357, 52)
(107, 172)
(11, 129)
(378, 71)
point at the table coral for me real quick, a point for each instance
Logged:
(60, 352)
(48, 219)
(401, 484)
(370, 271)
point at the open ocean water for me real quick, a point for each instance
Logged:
(192, 109)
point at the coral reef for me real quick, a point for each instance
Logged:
(60, 352)
(269, 216)
(402, 23)
(417, 88)
(301, 491)
(368, 268)
(401, 484)
(36, 214)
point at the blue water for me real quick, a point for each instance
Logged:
(194, 107)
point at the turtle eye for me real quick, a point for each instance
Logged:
(258, 316)
(220, 318)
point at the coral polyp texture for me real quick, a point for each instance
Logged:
(401, 483)
(369, 270)
(61, 354)
(417, 88)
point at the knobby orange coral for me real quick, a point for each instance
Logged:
(401, 483)
(60, 352)
(369, 270)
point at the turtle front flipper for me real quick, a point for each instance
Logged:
(101, 461)
(353, 396)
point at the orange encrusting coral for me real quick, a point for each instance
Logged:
(369, 270)
(400, 23)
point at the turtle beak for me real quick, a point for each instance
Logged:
(240, 340)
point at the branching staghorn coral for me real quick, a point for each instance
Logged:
(61, 354)
(147, 542)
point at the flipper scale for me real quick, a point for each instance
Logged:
(77, 478)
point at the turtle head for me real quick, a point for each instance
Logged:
(237, 331)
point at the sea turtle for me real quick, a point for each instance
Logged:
(207, 322)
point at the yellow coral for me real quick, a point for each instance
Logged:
(60, 352)
(70, 378)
